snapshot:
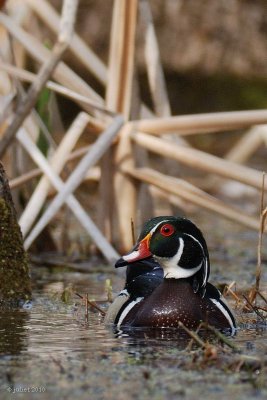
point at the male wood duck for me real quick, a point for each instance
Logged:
(184, 294)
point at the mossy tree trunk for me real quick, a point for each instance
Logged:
(14, 270)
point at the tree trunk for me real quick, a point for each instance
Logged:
(14, 270)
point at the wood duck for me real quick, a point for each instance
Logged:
(184, 294)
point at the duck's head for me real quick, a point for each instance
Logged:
(141, 265)
(177, 245)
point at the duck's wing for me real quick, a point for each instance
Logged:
(215, 296)
(116, 306)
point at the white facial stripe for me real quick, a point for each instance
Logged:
(131, 256)
(127, 309)
(206, 260)
(155, 227)
(135, 254)
(225, 313)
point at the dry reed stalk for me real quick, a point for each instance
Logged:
(20, 180)
(121, 63)
(155, 73)
(125, 190)
(214, 121)
(93, 174)
(62, 73)
(228, 290)
(118, 98)
(27, 76)
(57, 163)
(157, 86)
(263, 215)
(65, 190)
(173, 200)
(263, 135)
(247, 145)
(199, 159)
(100, 241)
(228, 287)
(78, 47)
(24, 107)
(190, 193)
(81, 50)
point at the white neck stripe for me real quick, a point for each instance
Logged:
(205, 257)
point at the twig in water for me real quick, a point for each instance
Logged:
(193, 335)
(92, 304)
(86, 307)
(255, 309)
(220, 336)
(261, 295)
(233, 294)
(190, 344)
(228, 287)
(209, 351)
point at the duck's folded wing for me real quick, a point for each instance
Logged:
(115, 307)
(214, 295)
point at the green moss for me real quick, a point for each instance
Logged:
(14, 270)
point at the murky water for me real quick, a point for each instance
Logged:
(53, 351)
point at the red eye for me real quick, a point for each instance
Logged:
(167, 230)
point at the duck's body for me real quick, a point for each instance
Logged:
(184, 294)
(173, 301)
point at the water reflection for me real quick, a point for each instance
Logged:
(54, 329)
(13, 333)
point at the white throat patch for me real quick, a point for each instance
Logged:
(171, 265)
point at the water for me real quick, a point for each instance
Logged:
(53, 351)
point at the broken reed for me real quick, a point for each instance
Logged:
(263, 214)
(91, 304)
